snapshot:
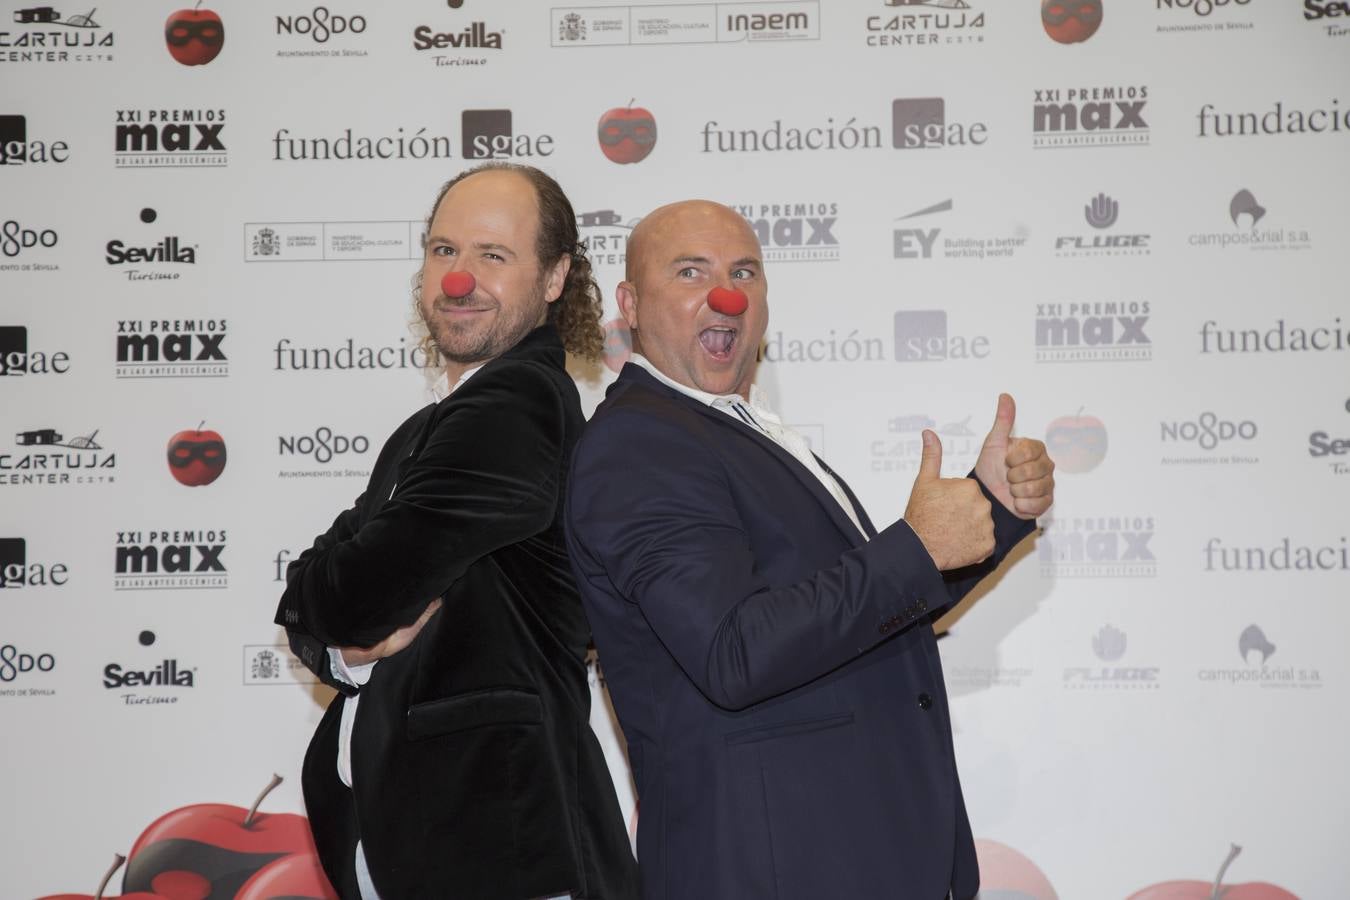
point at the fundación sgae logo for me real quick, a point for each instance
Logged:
(17, 149)
(17, 359)
(18, 571)
(491, 134)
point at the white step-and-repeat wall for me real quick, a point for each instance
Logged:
(1127, 213)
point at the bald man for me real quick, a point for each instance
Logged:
(769, 652)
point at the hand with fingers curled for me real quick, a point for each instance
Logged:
(1016, 470)
(397, 641)
(950, 515)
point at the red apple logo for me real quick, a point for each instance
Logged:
(194, 36)
(293, 877)
(213, 850)
(618, 344)
(1076, 443)
(1071, 21)
(1006, 874)
(196, 458)
(627, 135)
(118, 859)
(1203, 890)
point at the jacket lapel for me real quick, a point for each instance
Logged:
(809, 481)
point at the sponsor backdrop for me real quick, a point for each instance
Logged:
(1127, 213)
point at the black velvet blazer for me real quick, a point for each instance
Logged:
(475, 772)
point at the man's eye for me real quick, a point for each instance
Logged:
(493, 256)
(690, 272)
(743, 274)
(443, 250)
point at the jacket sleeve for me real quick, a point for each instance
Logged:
(308, 649)
(486, 478)
(1009, 530)
(650, 512)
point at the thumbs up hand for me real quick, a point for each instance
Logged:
(1015, 470)
(950, 515)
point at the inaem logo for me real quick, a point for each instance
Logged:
(1244, 204)
(1101, 212)
(1253, 639)
(1108, 644)
(1071, 21)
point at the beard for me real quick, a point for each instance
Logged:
(484, 336)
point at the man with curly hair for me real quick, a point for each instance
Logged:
(457, 759)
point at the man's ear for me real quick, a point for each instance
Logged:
(626, 294)
(557, 278)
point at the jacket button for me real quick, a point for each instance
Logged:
(884, 627)
(925, 701)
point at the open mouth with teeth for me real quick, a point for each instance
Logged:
(718, 341)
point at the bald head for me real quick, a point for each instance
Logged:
(663, 228)
(676, 256)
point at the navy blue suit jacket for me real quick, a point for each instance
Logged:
(776, 676)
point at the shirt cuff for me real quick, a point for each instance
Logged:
(356, 676)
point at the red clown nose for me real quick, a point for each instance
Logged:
(727, 302)
(458, 284)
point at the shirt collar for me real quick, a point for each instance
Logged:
(442, 387)
(717, 401)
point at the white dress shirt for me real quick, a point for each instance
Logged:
(757, 414)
